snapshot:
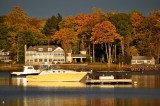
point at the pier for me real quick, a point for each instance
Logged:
(109, 81)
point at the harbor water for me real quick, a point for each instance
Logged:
(144, 91)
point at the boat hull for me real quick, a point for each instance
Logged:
(58, 77)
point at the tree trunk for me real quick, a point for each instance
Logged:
(93, 53)
(122, 48)
(89, 49)
(109, 53)
(115, 53)
(106, 51)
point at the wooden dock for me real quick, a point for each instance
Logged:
(109, 81)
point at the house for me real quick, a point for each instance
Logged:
(142, 60)
(4, 56)
(36, 55)
(76, 58)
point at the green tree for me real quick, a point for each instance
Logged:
(4, 44)
(52, 25)
(28, 38)
(123, 25)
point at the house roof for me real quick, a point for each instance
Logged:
(142, 58)
(45, 48)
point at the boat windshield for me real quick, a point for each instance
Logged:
(47, 67)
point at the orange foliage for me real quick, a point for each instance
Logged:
(104, 32)
(136, 19)
(68, 22)
(85, 23)
(17, 19)
(66, 37)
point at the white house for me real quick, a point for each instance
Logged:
(4, 56)
(36, 55)
(142, 60)
(76, 58)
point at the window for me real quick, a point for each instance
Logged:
(40, 49)
(148, 62)
(40, 60)
(45, 60)
(50, 60)
(140, 62)
(58, 54)
(30, 68)
(49, 49)
(35, 60)
(62, 59)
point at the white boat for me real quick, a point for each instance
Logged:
(27, 70)
(48, 73)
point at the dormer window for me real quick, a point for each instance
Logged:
(40, 49)
(49, 49)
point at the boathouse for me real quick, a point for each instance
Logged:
(142, 60)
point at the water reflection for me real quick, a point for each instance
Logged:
(146, 81)
(17, 92)
(139, 81)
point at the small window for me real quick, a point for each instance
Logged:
(40, 49)
(45, 60)
(49, 49)
(30, 68)
(50, 60)
(35, 60)
(40, 60)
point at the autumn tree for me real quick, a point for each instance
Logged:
(105, 33)
(67, 37)
(19, 23)
(84, 25)
(68, 22)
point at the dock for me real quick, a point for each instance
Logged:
(109, 81)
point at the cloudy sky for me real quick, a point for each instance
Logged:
(48, 8)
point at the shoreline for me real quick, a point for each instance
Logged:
(88, 67)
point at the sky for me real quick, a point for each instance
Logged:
(48, 8)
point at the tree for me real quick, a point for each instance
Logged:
(84, 25)
(52, 25)
(105, 33)
(67, 37)
(20, 27)
(155, 16)
(4, 44)
(123, 25)
(17, 19)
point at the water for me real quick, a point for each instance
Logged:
(17, 92)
